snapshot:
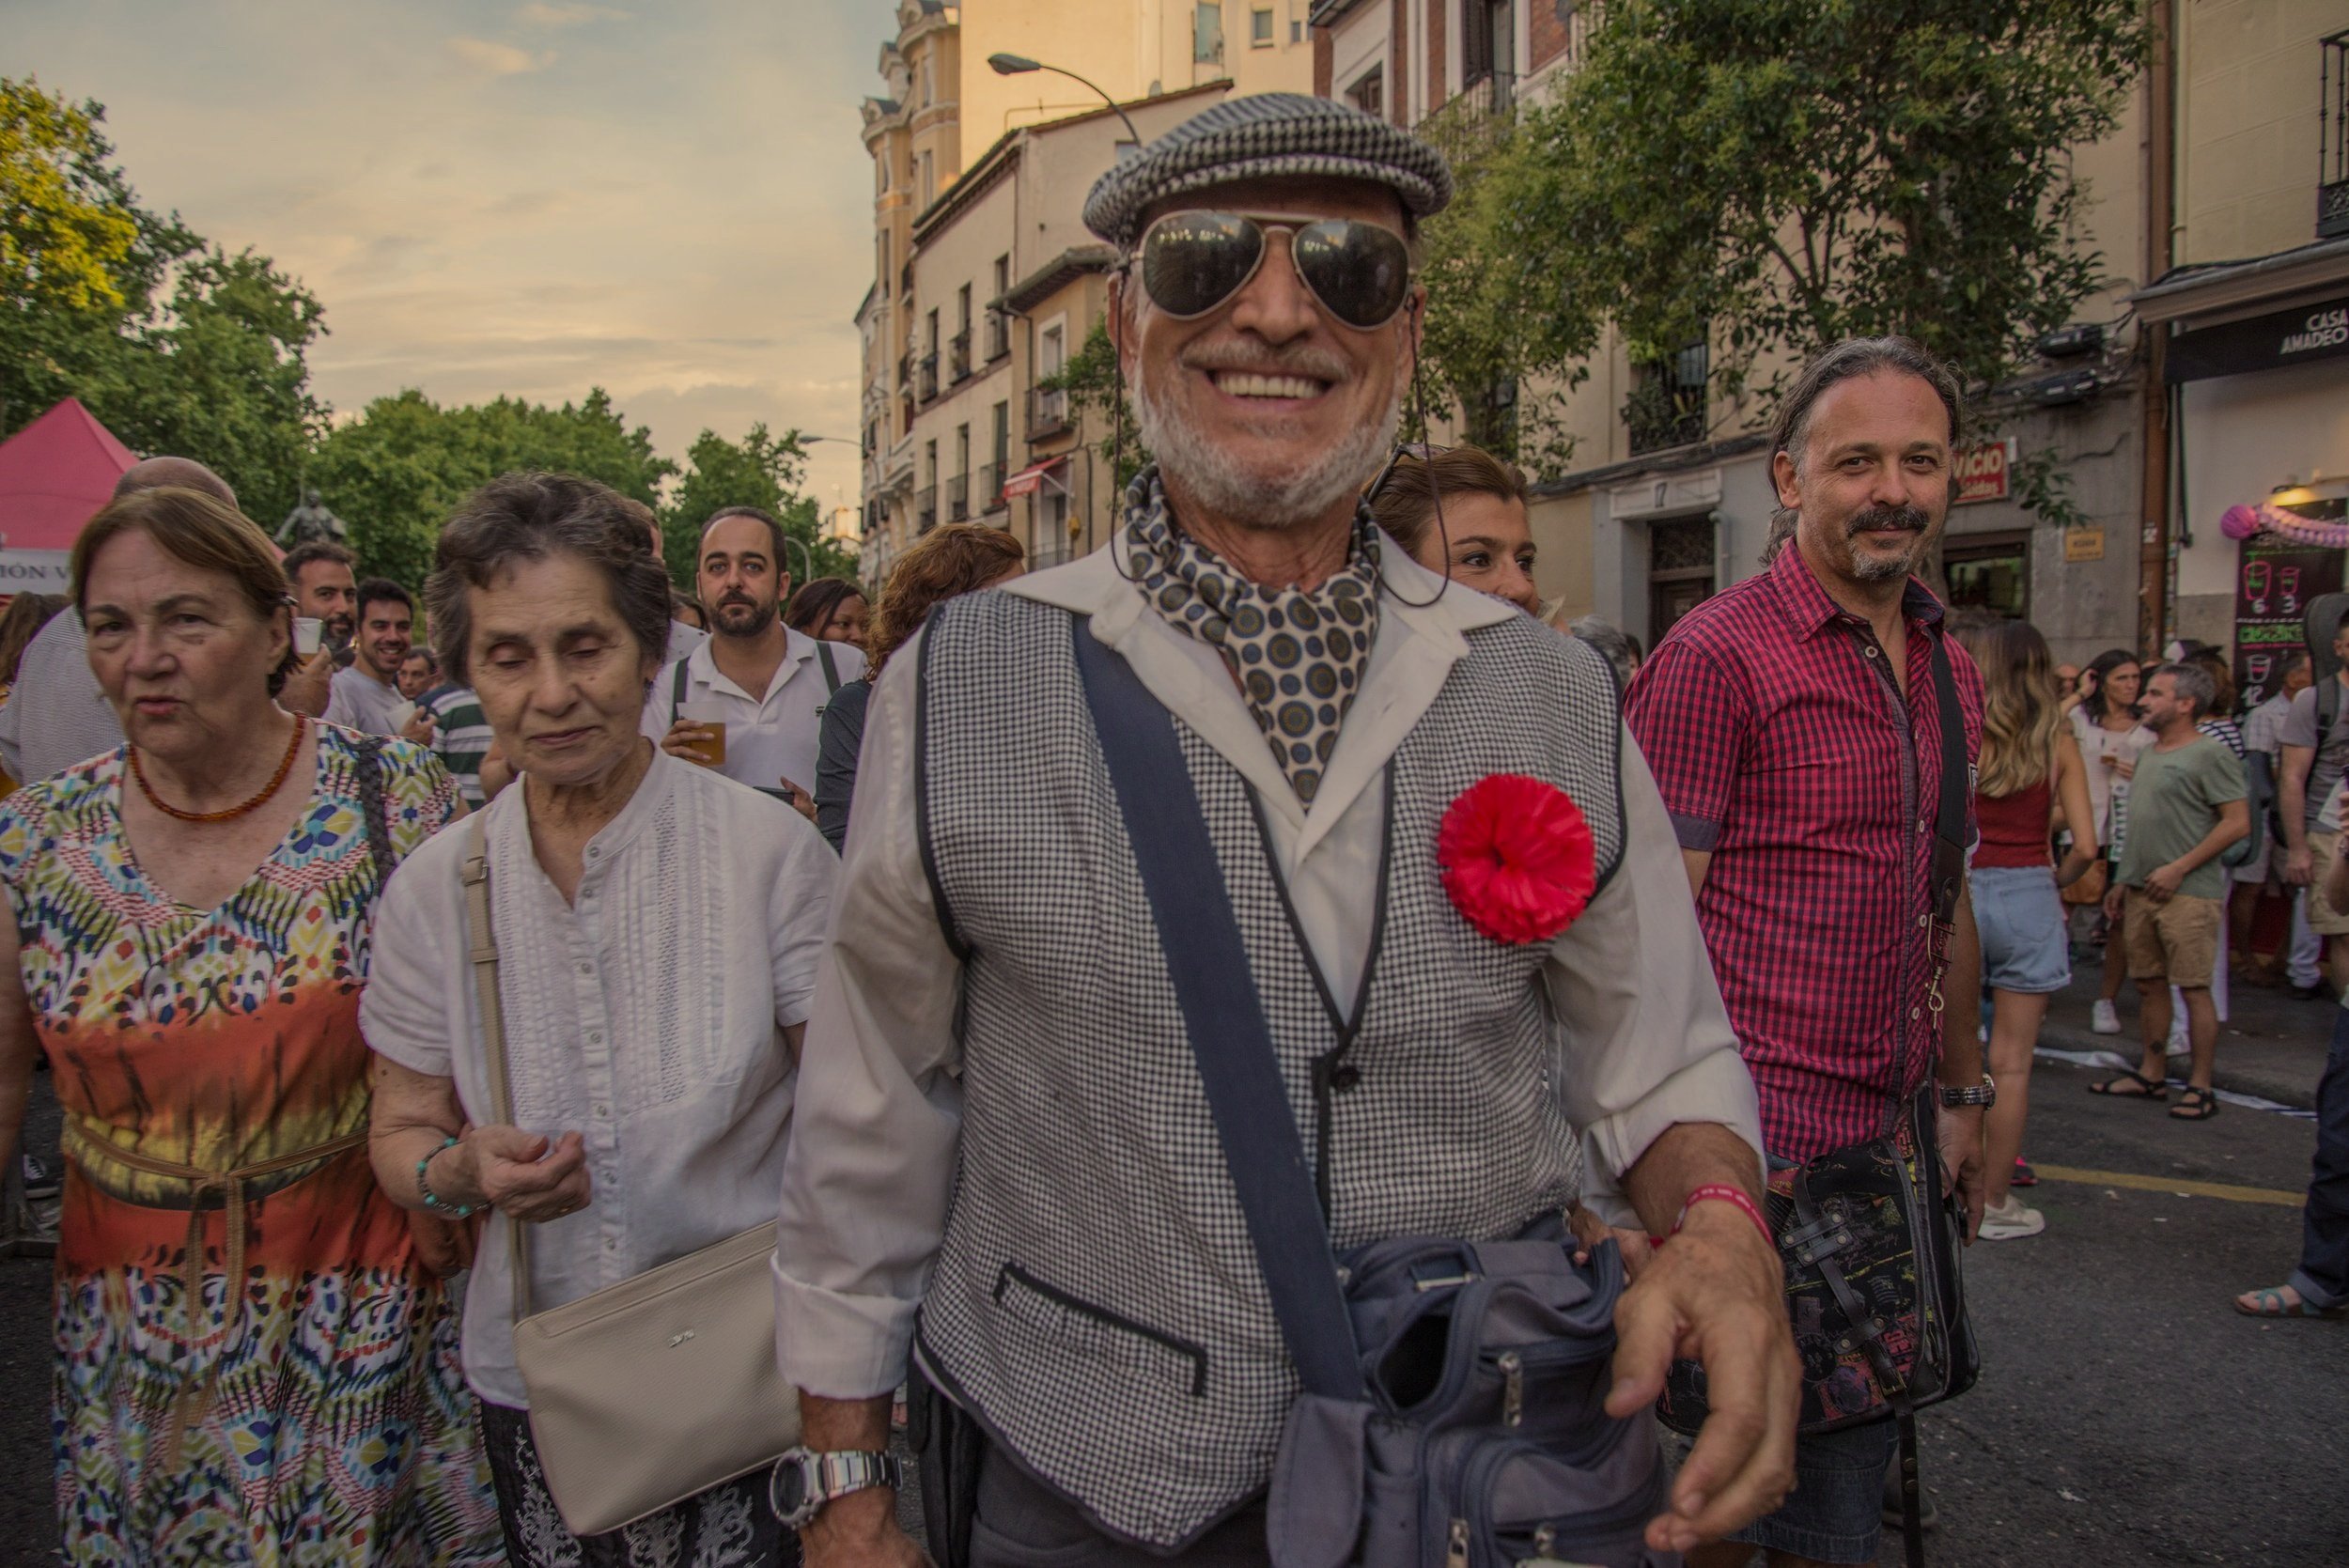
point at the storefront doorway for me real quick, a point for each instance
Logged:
(1990, 572)
(1680, 570)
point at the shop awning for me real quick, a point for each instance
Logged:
(1035, 476)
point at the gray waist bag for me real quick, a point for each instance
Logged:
(1452, 1389)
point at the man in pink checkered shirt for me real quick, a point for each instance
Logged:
(1791, 726)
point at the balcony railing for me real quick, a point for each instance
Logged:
(1494, 93)
(1047, 412)
(905, 369)
(998, 335)
(925, 509)
(992, 487)
(1667, 407)
(958, 356)
(2332, 169)
(959, 498)
(929, 377)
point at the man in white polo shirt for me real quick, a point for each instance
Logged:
(769, 682)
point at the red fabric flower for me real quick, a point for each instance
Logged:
(1517, 858)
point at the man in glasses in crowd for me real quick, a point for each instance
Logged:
(1000, 1125)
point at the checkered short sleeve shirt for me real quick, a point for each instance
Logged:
(1787, 750)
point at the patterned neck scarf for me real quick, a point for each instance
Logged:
(1299, 656)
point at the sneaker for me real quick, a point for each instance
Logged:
(2024, 1176)
(2103, 1018)
(39, 1181)
(2311, 993)
(2011, 1221)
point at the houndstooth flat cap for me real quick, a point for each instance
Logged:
(1262, 135)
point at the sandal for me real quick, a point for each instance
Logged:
(2147, 1088)
(2196, 1105)
(2268, 1301)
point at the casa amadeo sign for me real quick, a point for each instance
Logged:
(2301, 335)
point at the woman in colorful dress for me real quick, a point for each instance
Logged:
(257, 1358)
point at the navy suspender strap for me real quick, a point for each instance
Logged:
(1222, 1013)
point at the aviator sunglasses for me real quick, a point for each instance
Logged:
(1192, 262)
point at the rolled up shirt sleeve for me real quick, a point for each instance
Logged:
(1645, 1044)
(878, 1111)
(1690, 717)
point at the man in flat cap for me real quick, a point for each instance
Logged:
(1005, 1162)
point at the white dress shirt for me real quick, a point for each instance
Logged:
(356, 700)
(55, 716)
(646, 1016)
(769, 737)
(1645, 1043)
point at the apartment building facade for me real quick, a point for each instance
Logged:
(1669, 498)
(985, 280)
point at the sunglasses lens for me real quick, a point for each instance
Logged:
(1192, 262)
(1362, 273)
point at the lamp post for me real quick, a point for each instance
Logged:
(1019, 65)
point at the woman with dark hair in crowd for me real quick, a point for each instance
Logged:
(2105, 724)
(1484, 538)
(828, 608)
(657, 927)
(957, 558)
(686, 608)
(23, 620)
(255, 1350)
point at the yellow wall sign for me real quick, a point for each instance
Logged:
(2083, 544)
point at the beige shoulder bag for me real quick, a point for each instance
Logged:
(659, 1386)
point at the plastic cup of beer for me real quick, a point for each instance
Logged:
(710, 752)
(309, 632)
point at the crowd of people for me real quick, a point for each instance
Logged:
(607, 922)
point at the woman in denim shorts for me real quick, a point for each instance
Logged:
(2031, 768)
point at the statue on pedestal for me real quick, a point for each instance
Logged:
(310, 521)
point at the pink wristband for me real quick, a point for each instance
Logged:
(1727, 1194)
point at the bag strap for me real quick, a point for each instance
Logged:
(482, 940)
(370, 751)
(1948, 838)
(676, 691)
(1223, 1016)
(832, 670)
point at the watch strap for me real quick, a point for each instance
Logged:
(833, 1475)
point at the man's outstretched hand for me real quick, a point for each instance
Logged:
(1715, 1294)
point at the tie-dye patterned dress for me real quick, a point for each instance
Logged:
(323, 1420)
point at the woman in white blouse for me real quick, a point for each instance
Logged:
(657, 927)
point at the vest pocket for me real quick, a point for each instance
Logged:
(1075, 1324)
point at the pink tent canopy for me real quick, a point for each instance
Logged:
(54, 474)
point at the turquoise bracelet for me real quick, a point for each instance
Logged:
(455, 1211)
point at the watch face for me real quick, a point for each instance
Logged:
(792, 1488)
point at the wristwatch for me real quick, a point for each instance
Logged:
(803, 1482)
(1983, 1094)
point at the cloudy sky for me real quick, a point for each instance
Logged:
(663, 197)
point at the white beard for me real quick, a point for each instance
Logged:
(1277, 502)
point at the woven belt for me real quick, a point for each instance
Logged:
(82, 1146)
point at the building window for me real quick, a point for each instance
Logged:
(1369, 95)
(1990, 572)
(884, 264)
(1260, 27)
(1207, 33)
(929, 179)
(1668, 400)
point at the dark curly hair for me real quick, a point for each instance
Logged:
(529, 517)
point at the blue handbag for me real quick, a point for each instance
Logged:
(1452, 1414)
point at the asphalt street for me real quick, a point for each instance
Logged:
(2127, 1414)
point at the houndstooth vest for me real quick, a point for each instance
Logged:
(1097, 1305)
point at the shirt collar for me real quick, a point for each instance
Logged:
(1809, 611)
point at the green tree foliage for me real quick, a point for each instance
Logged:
(761, 470)
(1096, 391)
(1775, 174)
(1504, 342)
(176, 345)
(398, 471)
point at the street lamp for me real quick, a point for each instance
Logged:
(1019, 65)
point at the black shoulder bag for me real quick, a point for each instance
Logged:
(1869, 1234)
